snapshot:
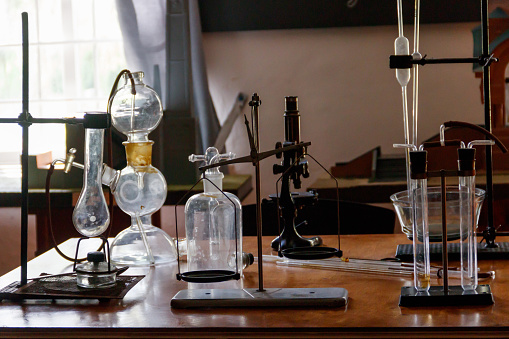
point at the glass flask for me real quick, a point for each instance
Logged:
(213, 222)
(136, 115)
(139, 189)
(91, 216)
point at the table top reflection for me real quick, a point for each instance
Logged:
(145, 311)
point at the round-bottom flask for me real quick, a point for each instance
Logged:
(140, 190)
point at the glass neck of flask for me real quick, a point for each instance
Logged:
(137, 77)
(215, 185)
(146, 220)
(138, 137)
(94, 140)
(139, 154)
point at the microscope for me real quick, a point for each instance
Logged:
(293, 166)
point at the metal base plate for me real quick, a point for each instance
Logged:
(455, 297)
(271, 297)
(65, 287)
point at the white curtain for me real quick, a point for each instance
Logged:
(143, 25)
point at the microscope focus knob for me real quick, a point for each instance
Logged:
(305, 169)
(277, 169)
(279, 155)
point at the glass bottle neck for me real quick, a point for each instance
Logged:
(139, 154)
(137, 77)
(215, 185)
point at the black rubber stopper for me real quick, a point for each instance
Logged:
(96, 256)
(466, 159)
(418, 162)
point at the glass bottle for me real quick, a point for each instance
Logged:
(140, 189)
(419, 199)
(213, 222)
(91, 216)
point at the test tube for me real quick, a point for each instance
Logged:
(468, 222)
(419, 199)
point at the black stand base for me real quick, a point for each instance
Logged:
(436, 297)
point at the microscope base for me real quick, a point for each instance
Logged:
(271, 297)
(296, 241)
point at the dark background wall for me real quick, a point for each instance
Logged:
(243, 15)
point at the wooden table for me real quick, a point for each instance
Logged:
(372, 309)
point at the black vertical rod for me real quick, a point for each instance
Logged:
(24, 155)
(490, 240)
(445, 261)
(259, 227)
(255, 103)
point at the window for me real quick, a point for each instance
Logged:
(75, 53)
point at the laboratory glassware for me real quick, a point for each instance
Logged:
(419, 198)
(213, 221)
(96, 272)
(401, 47)
(140, 189)
(468, 220)
(91, 216)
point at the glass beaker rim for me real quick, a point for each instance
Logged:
(403, 196)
